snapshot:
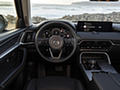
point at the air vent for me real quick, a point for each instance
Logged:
(116, 41)
(95, 45)
(28, 37)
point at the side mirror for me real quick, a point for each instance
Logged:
(3, 23)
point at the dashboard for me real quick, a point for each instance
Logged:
(89, 36)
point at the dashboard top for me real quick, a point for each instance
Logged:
(107, 30)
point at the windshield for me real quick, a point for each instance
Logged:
(75, 10)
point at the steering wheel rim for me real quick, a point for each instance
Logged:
(56, 60)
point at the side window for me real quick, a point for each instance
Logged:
(7, 15)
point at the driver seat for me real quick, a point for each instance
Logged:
(54, 83)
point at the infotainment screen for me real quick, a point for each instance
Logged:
(91, 26)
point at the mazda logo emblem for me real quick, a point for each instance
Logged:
(56, 42)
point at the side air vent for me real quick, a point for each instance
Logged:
(28, 37)
(116, 42)
(95, 45)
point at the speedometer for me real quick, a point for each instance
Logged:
(56, 31)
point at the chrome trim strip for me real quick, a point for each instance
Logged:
(23, 34)
(30, 43)
(9, 50)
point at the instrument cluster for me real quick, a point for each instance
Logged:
(56, 31)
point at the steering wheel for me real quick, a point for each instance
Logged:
(56, 41)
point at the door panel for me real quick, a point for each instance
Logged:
(9, 41)
(12, 58)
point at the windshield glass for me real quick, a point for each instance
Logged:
(75, 10)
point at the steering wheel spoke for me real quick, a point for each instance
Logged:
(55, 56)
(43, 41)
(69, 42)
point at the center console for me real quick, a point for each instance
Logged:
(98, 70)
(95, 62)
(104, 81)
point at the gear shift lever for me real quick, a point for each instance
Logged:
(92, 63)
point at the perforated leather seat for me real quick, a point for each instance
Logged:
(54, 83)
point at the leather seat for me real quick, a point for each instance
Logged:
(54, 83)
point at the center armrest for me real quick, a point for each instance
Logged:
(106, 81)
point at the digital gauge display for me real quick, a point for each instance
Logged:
(94, 26)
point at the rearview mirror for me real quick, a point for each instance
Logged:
(3, 23)
(104, 0)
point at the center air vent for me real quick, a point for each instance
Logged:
(95, 45)
(116, 42)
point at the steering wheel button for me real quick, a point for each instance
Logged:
(68, 35)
